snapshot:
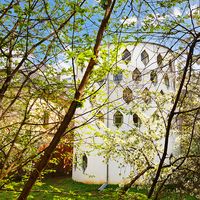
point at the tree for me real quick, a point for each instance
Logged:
(188, 123)
(29, 48)
(191, 47)
(41, 33)
(72, 108)
(174, 29)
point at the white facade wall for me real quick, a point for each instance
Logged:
(97, 170)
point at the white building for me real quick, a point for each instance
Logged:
(139, 90)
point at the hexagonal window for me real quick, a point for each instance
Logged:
(117, 78)
(154, 77)
(161, 92)
(118, 119)
(127, 95)
(145, 57)
(146, 95)
(166, 80)
(84, 162)
(126, 56)
(136, 75)
(159, 60)
(137, 121)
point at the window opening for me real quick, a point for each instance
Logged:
(146, 96)
(154, 77)
(136, 120)
(127, 95)
(118, 77)
(145, 57)
(161, 92)
(84, 162)
(126, 56)
(159, 60)
(118, 119)
(166, 80)
(136, 76)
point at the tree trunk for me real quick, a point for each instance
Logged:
(129, 185)
(67, 119)
(171, 115)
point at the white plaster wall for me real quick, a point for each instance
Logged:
(96, 169)
(94, 173)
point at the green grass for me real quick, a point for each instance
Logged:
(66, 189)
(60, 188)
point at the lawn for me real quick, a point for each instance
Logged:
(66, 189)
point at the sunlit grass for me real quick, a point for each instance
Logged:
(66, 189)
